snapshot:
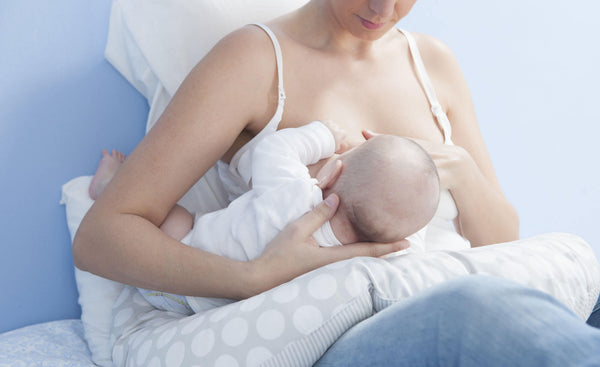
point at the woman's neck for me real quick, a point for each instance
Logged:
(316, 26)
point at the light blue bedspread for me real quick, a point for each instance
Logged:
(56, 343)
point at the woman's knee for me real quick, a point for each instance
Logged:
(475, 288)
(481, 299)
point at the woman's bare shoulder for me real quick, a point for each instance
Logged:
(435, 53)
(248, 46)
(242, 61)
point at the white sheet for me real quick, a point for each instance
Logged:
(56, 343)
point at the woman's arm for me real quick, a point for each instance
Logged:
(119, 237)
(485, 215)
(232, 89)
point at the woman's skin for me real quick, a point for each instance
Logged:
(342, 61)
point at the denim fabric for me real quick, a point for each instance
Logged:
(472, 321)
(594, 319)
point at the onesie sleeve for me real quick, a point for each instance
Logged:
(284, 155)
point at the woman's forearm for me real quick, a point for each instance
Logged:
(131, 250)
(484, 214)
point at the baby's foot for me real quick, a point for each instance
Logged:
(109, 165)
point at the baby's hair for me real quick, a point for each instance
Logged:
(373, 188)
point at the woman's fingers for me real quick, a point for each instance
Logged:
(368, 134)
(307, 224)
(329, 173)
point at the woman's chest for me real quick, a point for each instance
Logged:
(391, 102)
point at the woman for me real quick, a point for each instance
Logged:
(342, 61)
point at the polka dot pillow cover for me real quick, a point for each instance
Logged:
(295, 323)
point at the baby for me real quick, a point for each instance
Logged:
(388, 189)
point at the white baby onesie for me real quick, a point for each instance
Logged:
(281, 191)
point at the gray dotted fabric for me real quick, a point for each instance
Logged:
(293, 324)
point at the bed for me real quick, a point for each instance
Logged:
(124, 101)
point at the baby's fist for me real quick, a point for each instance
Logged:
(339, 135)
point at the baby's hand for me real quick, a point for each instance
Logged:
(342, 143)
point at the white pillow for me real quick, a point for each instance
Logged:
(155, 44)
(96, 295)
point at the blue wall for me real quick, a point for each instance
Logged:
(531, 66)
(60, 104)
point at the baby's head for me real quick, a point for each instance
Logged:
(388, 190)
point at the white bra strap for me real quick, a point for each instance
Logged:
(279, 60)
(436, 107)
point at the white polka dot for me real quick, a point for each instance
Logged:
(203, 342)
(118, 354)
(142, 353)
(158, 321)
(165, 337)
(226, 361)
(220, 314)
(122, 316)
(337, 265)
(154, 362)
(161, 329)
(175, 355)
(192, 325)
(286, 293)
(519, 273)
(252, 303)
(139, 300)
(355, 284)
(322, 287)
(257, 355)
(338, 309)
(139, 339)
(559, 257)
(122, 297)
(234, 332)
(307, 319)
(145, 317)
(486, 258)
(270, 324)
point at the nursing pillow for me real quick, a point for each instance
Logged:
(295, 323)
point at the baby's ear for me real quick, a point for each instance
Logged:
(329, 173)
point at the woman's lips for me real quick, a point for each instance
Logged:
(370, 25)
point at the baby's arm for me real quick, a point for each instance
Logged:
(284, 155)
(178, 223)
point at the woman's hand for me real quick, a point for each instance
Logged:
(294, 252)
(453, 163)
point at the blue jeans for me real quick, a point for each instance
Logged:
(594, 318)
(471, 321)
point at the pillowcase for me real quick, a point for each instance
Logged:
(96, 295)
(154, 45)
